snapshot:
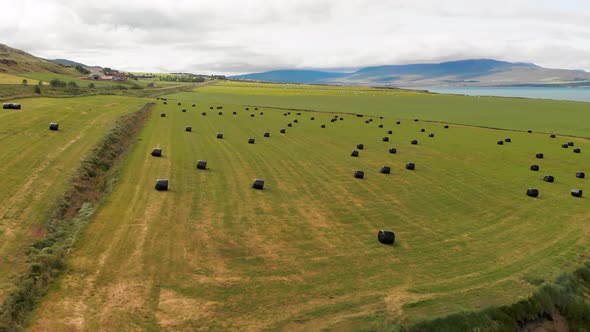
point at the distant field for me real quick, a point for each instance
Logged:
(37, 165)
(214, 254)
(46, 77)
(12, 79)
(520, 114)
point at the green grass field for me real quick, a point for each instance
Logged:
(37, 165)
(212, 253)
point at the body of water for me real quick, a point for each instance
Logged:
(573, 94)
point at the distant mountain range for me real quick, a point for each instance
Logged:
(473, 72)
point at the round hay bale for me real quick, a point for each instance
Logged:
(385, 139)
(507, 140)
(367, 121)
(234, 113)
(284, 114)
(359, 174)
(256, 109)
(577, 192)
(219, 113)
(312, 118)
(548, 178)
(184, 110)
(251, 115)
(446, 126)
(54, 126)
(393, 150)
(532, 192)
(398, 122)
(202, 164)
(219, 135)
(370, 120)
(194, 105)
(267, 134)
(219, 107)
(580, 175)
(414, 142)
(385, 170)
(188, 128)
(258, 184)
(422, 130)
(251, 140)
(529, 131)
(380, 126)
(411, 166)
(298, 113)
(296, 121)
(288, 113)
(570, 143)
(381, 117)
(161, 184)
(552, 136)
(354, 153)
(535, 168)
(283, 131)
(577, 150)
(163, 115)
(261, 113)
(390, 132)
(359, 115)
(156, 152)
(179, 104)
(289, 124)
(165, 103)
(360, 146)
(247, 108)
(204, 113)
(341, 119)
(386, 237)
(431, 135)
(323, 126)
(415, 120)
(210, 107)
(565, 145)
(500, 142)
(539, 156)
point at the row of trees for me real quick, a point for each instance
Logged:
(183, 78)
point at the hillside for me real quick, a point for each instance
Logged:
(16, 61)
(70, 63)
(474, 72)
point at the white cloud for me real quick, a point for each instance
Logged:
(228, 36)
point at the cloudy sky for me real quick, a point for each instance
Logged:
(239, 36)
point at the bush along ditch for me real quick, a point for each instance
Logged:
(47, 256)
(567, 297)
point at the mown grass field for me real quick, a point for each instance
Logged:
(37, 165)
(212, 253)
(12, 79)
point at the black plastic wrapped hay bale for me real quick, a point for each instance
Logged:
(552, 136)
(529, 131)
(252, 115)
(414, 142)
(393, 150)
(288, 113)
(532, 192)
(446, 126)
(431, 135)
(247, 108)
(202, 164)
(323, 126)
(194, 105)
(179, 104)
(411, 166)
(204, 113)
(359, 115)
(354, 153)
(539, 156)
(548, 178)
(256, 109)
(380, 126)
(210, 107)
(415, 120)
(54, 126)
(284, 114)
(296, 121)
(577, 150)
(219, 107)
(189, 129)
(219, 113)
(267, 134)
(577, 192)
(283, 131)
(161, 184)
(581, 175)
(386, 237)
(565, 145)
(219, 135)
(507, 140)
(156, 152)
(165, 103)
(289, 124)
(184, 110)
(422, 130)
(298, 113)
(385, 139)
(360, 146)
(359, 174)
(12, 106)
(370, 120)
(312, 118)
(341, 119)
(398, 122)
(570, 143)
(535, 168)
(258, 184)
(500, 142)
(385, 170)
(163, 115)
(234, 113)
(390, 132)
(367, 121)
(381, 117)
(261, 113)
(251, 140)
